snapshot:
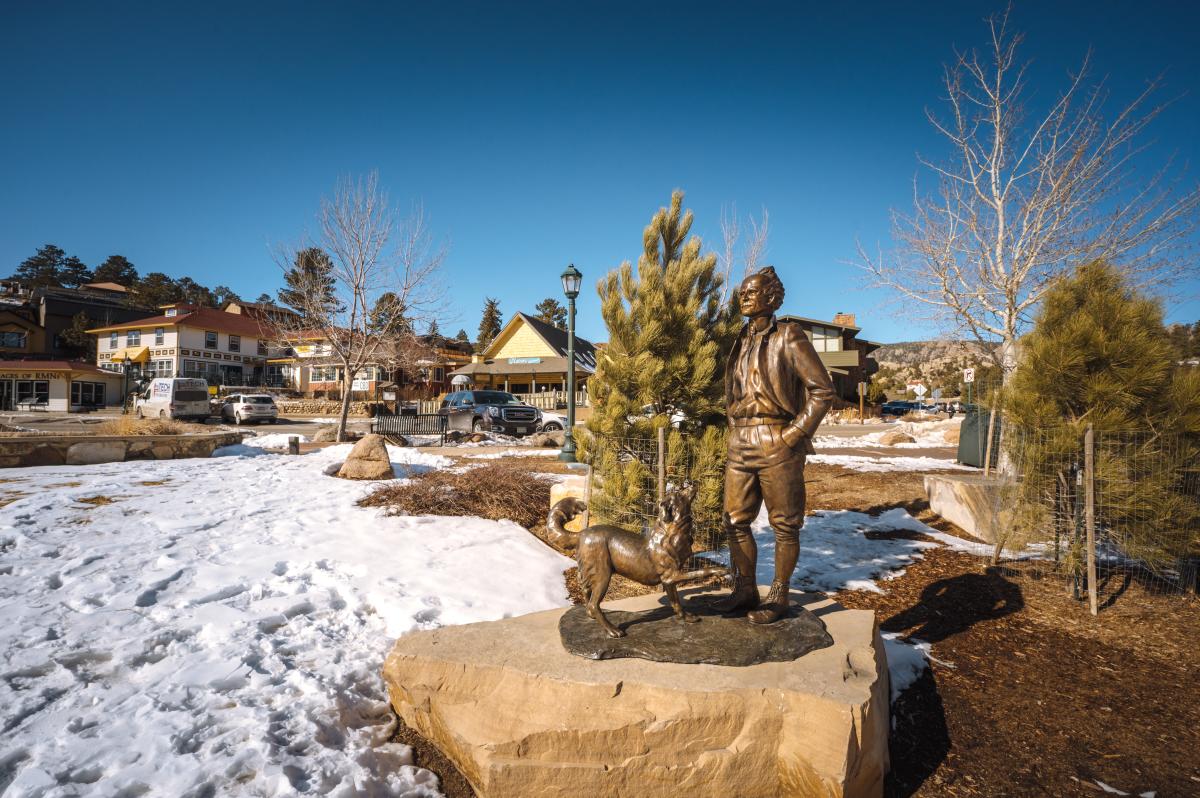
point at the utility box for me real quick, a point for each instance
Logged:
(972, 437)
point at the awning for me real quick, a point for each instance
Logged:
(134, 354)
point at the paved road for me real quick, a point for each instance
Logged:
(294, 425)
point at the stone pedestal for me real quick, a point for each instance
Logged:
(520, 716)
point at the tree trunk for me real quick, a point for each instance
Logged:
(347, 381)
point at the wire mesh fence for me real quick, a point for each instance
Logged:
(1104, 510)
(637, 472)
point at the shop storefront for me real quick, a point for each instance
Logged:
(57, 386)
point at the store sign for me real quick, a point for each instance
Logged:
(32, 375)
(360, 385)
(524, 360)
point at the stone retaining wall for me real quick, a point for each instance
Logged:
(41, 450)
(319, 407)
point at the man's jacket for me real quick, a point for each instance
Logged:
(792, 375)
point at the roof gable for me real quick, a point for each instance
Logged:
(556, 339)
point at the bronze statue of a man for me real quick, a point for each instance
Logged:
(776, 393)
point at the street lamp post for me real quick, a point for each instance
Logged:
(571, 279)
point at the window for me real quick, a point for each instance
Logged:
(171, 312)
(323, 374)
(162, 368)
(235, 343)
(112, 340)
(12, 340)
(262, 348)
(33, 390)
(133, 338)
(159, 335)
(210, 340)
(87, 394)
(826, 339)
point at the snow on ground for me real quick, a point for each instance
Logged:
(836, 554)
(274, 440)
(222, 633)
(861, 463)
(926, 435)
(516, 453)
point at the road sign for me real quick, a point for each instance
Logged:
(937, 393)
(920, 390)
(968, 375)
(862, 389)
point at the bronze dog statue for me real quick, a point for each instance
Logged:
(658, 558)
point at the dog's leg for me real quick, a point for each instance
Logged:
(598, 586)
(672, 591)
(676, 577)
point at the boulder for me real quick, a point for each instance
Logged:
(327, 433)
(951, 435)
(368, 460)
(519, 716)
(553, 438)
(894, 436)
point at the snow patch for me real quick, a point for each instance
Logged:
(223, 632)
(883, 464)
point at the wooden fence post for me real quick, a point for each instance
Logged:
(662, 463)
(293, 444)
(987, 452)
(1089, 510)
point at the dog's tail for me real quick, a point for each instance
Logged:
(560, 515)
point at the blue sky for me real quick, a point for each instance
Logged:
(193, 139)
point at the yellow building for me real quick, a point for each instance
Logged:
(529, 356)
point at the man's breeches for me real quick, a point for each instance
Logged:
(762, 468)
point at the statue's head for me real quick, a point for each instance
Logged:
(761, 293)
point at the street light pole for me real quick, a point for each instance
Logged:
(570, 280)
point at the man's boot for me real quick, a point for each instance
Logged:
(775, 607)
(743, 597)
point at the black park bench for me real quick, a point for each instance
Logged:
(428, 424)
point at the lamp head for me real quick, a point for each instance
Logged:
(571, 279)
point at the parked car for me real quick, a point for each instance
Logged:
(551, 422)
(242, 408)
(497, 411)
(173, 397)
(898, 408)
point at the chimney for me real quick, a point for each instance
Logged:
(844, 319)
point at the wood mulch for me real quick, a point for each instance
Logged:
(1028, 694)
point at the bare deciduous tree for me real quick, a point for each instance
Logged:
(1023, 199)
(374, 256)
(749, 255)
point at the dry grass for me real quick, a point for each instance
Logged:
(496, 490)
(129, 425)
(10, 497)
(98, 501)
(154, 482)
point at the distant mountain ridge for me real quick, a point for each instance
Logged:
(937, 364)
(909, 353)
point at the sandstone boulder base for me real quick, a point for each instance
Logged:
(892, 437)
(368, 460)
(553, 438)
(520, 716)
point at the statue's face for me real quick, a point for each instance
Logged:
(753, 299)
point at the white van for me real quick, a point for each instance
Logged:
(174, 397)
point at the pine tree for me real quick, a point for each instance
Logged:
(223, 295)
(50, 266)
(551, 311)
(434, 330)
(79, 343)
(668, 337)
(490, 325)
(264, 299)
(387, 318)
(156, 289)
(463, 338)
(116, 269)
(310, 283)
(1100, 355)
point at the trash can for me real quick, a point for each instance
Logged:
(972, 436)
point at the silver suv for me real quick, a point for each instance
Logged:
(242, 408)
